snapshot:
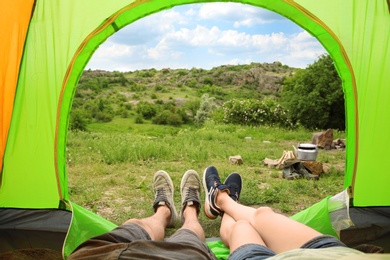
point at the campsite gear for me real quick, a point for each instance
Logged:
(304, 172)
(41, 66)
(295, 169)
(190, 191)
(212, 185)
(278, 163)
(306, 152)
(163, 194)
(290, 173)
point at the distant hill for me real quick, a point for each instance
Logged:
(227, 81)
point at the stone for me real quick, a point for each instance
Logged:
(314, 167)
(323, 140)
(236, 159)
(339, 144)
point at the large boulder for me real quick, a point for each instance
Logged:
(323, 140)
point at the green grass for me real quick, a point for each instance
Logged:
(111, 167)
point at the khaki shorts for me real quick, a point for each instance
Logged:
(131, 241)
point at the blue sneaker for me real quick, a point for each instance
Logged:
(234, 182)
(212, 185)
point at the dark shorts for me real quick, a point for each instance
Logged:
(256, 251)
(131, 241)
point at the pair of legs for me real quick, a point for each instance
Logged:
(165, 214)
(141, 238)
(243, 225)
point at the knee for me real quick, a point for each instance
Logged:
(227, 231)
(240, 225)
(260, 213)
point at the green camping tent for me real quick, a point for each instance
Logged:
(46, 44)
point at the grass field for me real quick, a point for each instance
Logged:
(111, 166)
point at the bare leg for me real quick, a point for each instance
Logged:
(191, 222)
(279, 232)
(155, 224)
(232, 208)
(235, 234)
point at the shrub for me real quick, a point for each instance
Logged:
(78, 121)
(207, 105)
(255, 112)
(104, 116)
(138, 119)
(147, 110)
(167, 117)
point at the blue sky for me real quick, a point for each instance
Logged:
(207, 36)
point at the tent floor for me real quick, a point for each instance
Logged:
(21, 229)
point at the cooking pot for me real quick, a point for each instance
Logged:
(306, 152)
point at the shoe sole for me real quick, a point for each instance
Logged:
(206, 201)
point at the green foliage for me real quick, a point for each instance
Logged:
(167, 117)
(146, 109)
(207, 105)
(314, 96)
(78, 121)
(255, 112)
(138, 119)
(208, 81)
(192, 107)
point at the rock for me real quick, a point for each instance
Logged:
(339, 143)
(325, 168)
(323, 140)
(237, 159)
(314, 167)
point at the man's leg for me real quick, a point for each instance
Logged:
(190, 196)
(165, 213)
(190, 237)
(154, 225)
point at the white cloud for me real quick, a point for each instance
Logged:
(177, 39)
(238, 14)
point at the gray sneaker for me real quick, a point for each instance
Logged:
(163, 194)
(190, 191)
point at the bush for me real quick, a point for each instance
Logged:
(104, 116)
(207, 105)
(138, 119)
(147, 110)
(167, 117)
(255, 112)
(78, 121)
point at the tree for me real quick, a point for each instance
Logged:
(314, 96)
(207, 105)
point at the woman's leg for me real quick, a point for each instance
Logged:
(237, 233)
(279, 232)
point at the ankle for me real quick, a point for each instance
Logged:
(164, 212)
(220, 198)
(190, 212)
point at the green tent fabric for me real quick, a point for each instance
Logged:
(61, 36)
